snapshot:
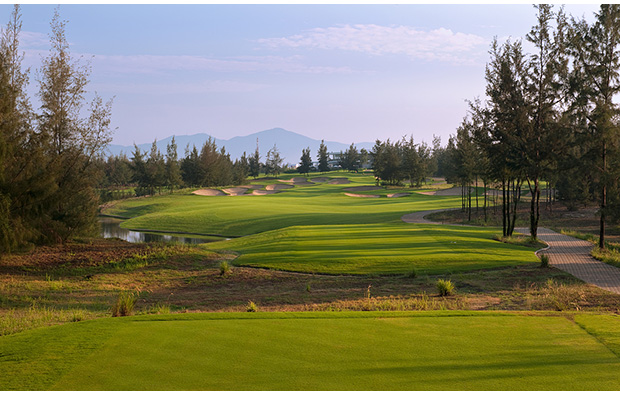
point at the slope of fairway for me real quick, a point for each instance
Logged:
(376, 249)
(318, 204)
(406, 351)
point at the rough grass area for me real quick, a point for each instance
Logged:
(326, 351)
(190, 279)
(376, 249)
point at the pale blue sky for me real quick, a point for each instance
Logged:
(348, 73)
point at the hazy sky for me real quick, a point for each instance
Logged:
(348, 73)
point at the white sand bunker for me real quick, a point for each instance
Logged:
(261, 192)
(362, 189)
(339, 181)
(361, 195)
(209, 192)
(320, 179)
(278, 187)
(235, 191)
(397, 195)
(456, 191)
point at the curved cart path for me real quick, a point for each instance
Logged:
(565, 253)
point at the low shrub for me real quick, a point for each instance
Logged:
(444, 287)
(252, 307)
(224, 268)
(544, 260)
(124, 304)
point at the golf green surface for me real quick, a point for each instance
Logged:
(319, 351)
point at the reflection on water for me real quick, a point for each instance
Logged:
(110, 227)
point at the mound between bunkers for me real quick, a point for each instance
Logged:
(238, 191)
(278, 187)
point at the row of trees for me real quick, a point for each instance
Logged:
(153, 171)
(48, 155)
(404, 160)
(548, 115)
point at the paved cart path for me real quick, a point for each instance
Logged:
(565, 253)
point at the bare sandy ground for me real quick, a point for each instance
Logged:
(209, 192)
(362, 189)
(397, 195)
(456, 191)
(320, 179)
(278, 187)
(238, 191)
(339, 181)
(361, 195)
(261, 192)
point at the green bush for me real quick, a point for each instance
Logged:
(445, 287)
(224, 268)
(124, 304)
(252, 307)
(544, 260)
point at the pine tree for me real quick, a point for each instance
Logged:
(254, 162)
(173, 171)
(273, 163)
(305, 164)
(322, 157)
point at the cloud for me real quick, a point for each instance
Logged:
(212, 86)
(155, 64)
(434, 45)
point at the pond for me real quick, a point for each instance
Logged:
(110, 227)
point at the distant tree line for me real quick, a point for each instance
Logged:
(48, 155)
(547, 116)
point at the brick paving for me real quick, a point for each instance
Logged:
(565, 253)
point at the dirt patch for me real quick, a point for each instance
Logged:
(361, 195)
(278, 187)
(209, 192)
(338, 181)
(238, 191)
(397, 195)
(362, 188)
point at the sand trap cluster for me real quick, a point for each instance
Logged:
(278, 187)
(209, 192)
(338, 181)
(298, 181)
(361, 195)
(362, 188)
(262, 192)
(397, 195)
(456, 191)
(238, 191)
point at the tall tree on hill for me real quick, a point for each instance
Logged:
(173, 171)
(273, 163)
(596, 52)
(254, 162)
(305, 164)
(71, 143)
(545, 85)
(322, 158)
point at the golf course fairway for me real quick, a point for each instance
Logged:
(319, 351)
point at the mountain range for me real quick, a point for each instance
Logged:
(289, 145)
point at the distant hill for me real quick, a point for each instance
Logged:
(289, 145)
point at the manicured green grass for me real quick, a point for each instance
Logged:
(393, 248)
(319, 204)
(326, 351)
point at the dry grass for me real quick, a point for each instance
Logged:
(186, 279)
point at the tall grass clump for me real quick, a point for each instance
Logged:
(251, 307)
(124, 304)
(224, 268)
(544, 260)
(444, 287)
